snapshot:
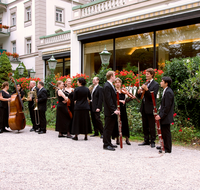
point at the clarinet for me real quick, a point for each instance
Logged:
(157, 122)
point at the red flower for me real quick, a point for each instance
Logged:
(172, 123)
(180, 130)
(57, 102)
(53, 106)
(188, 118)
(175, 114)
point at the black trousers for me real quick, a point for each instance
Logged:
(43, 123)
(97, 123)
(148, 124)
(166, 135)
(110, 123)
(32, 116)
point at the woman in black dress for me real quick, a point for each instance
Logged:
(63, 119)
(5, 97)
(69, 92)
(123, 114)
(81, 121)
(21, 92)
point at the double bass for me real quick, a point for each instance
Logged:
(16, 120)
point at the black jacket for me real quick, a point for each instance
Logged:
(109, 99)
(42, 99)
(97, 98)
(167, 107)
(80, 96)
(147, 104)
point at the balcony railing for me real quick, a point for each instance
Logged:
(100, 6)
(5, 31)
(2, 50)
(59, 37)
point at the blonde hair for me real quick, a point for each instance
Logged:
(58, 83)
(118, 79)
(109, 74)
(4, 85)
(68, 79)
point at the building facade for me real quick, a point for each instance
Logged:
(147, 32)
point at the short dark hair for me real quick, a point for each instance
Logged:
(41, 83)
(167, 80)
(82, 81)
(151, 71)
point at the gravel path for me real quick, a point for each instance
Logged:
(35, 162)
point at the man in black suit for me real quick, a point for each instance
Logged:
(96, 107)
(32, 87)
(148, 120)
(42, 105)
(166, 113)
(110, 110)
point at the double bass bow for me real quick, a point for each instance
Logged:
(119, 122)
(68, 102)
(16, 120)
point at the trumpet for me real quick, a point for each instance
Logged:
(36, 109)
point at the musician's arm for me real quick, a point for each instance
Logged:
(148, 94)
(108, 100)
(100, 100)
(60, 93)
(4, 99)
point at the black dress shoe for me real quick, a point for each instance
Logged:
(117, 142)
(61, 136)
(144, 143)
(1, 130)
(75, 138)
(41, 132)
(101, 136)
(158, 147)
(109, 148)
(32, 129)
(152, 145)
(114, 146)
(94, 135)
(85, 138)
(128, 143)
(167, 151)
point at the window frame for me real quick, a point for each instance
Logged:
(28, 50)
(58, 21)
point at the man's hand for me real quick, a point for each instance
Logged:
(37, 100)
(145, 87)
(122, 101)
(97, 110)
(117, 112)
(157, 117)
(139, 91)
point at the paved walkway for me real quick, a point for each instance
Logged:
(40, 162)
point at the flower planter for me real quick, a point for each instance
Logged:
(10, 57)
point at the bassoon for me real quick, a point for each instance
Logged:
(157, 122)
(119, 122)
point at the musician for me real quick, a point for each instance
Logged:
(5, 97)
(63, 120)
(42, 106)
(69, 92)
(123, 114)
(96, 107)
(81, 121)
(32, 86)
(21, 92)
(148, 120)
(110, 110)
(166, 113)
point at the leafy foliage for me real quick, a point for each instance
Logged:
(5, 68)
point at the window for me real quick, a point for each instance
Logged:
(28, 45)
(0, 21)
(13, 19)
(28, 14)
(59, 15)
(14, 47)
(1, 46)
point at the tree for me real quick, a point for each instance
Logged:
(5, 68)
(16, 73)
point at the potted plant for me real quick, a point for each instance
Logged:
(9, 55)
(15, 55)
